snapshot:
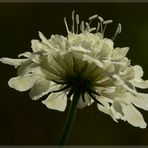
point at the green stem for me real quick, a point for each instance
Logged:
(70, 117)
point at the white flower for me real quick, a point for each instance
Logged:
(86, 61)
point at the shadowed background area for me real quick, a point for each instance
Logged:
(23, 121)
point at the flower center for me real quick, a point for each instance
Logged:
(77, 75)
(78, 82)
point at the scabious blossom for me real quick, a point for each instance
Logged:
(87, 61)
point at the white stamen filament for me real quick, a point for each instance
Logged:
(98, 27)
(82, 26)
(101, 25)
(104, 30)
(92, 18)
(118, 30)
(73, 21)
(87, 26)
(77, 21)
(106, 23)
(65, 22)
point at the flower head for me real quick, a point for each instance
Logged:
(87, 61)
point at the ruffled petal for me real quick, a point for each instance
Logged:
(133, 116)
(42, 37)
(38, 46)
(105, 107)
(140, 83)
(86, 102)
(138, 71)
(56, 101)
(119, 53)
(39, 89)
(25, 54)
(90, 60)
(23, 83)
(13, 62)
(140, 100)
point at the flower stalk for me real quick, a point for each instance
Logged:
(70, 117)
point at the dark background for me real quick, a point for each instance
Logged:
(23, 121)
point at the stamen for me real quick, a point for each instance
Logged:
(65, 22)
(93, 17)
(73, 21)
(77, 21)
(82, 26)
(118, 31)
(87, 26)
(119, 28)
(100, 18)
(92, 29)
(106, 23)
(101, 25)
(98, 27)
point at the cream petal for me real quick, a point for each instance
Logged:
(114, 92)
(90, 60)
(25, 54)
(80, 49)
(138, 71)
(87, 101)
(140, 100)
(109, 43)
(106, 49)
(117, 114)
(119, 53)
(140, 83)
(133, 116)
(13, 62)
(42, 37)
(31, 68)
(106, 110)
(39, 89)
(23, 83)
(117, 106)
(23, 66)
(105, 107)
(56, 101)
(127, 73)
(38, 46)
(58, 42)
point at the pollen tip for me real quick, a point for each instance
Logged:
(119, 28)
(77, 19)
(100, 18)
(107, 22)
(92, 17)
